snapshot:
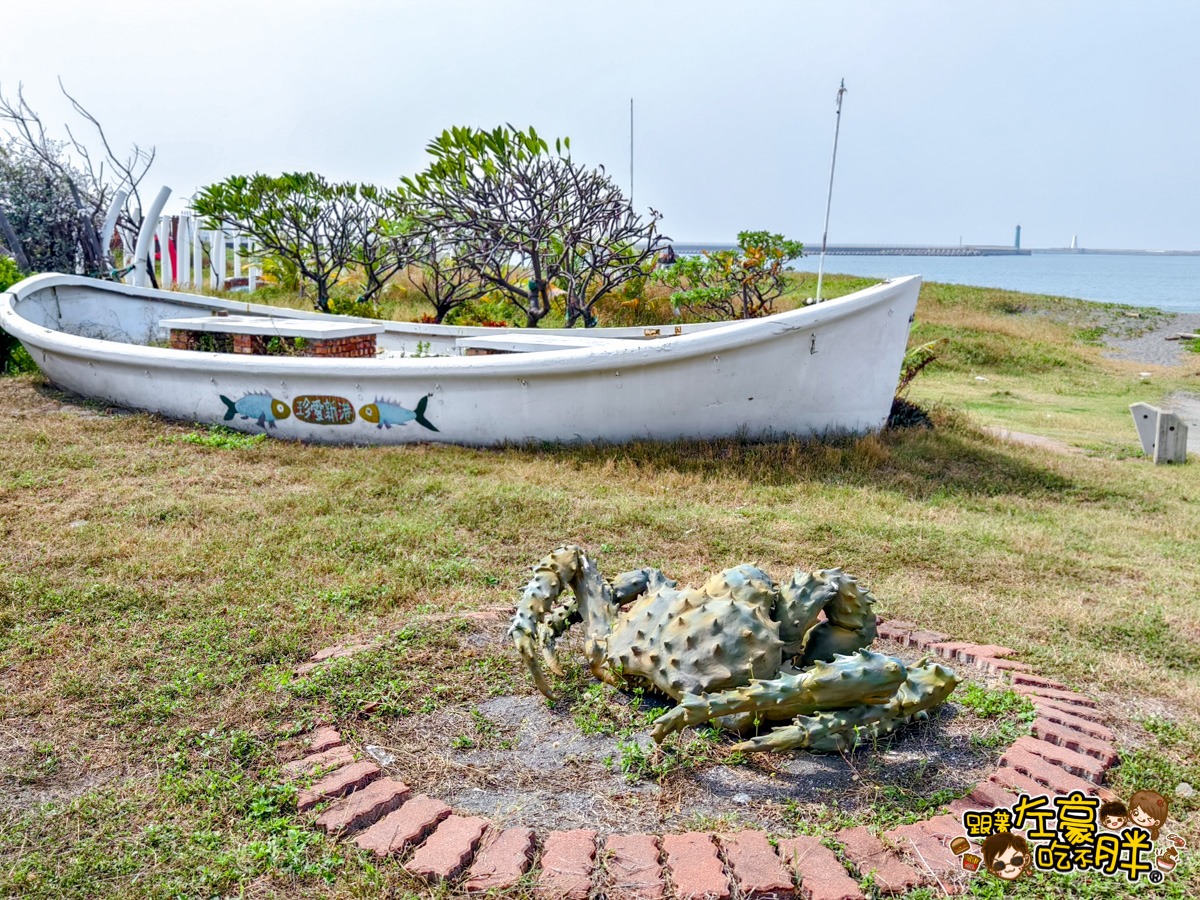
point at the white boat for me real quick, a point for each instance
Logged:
(827, 368)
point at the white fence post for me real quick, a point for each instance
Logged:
(183, 251)
(237, 254)
(219, 258)
(197, 255)
(253, 272)
(164, 254)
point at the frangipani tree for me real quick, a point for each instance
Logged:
(526, 219)
(734, 284)
(318, 226)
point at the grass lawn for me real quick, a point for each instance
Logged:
(158, 584)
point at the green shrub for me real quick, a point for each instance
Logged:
(13, 357)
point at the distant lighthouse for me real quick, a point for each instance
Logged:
(1017, 240)
(1074, 242)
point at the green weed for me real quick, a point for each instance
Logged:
(218, 437)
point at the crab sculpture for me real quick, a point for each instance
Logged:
(740, 650)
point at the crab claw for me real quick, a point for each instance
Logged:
(529, 650)
(550, 661)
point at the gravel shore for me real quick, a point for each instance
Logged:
(1152, 347)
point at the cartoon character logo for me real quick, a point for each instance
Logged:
(1149, 810)
(1113, 815)
(1006, 855)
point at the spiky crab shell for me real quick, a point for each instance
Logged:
(688, 642)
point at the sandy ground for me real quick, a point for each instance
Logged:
(1152, 347)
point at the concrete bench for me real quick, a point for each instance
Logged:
(255, 335)
(1163, 434)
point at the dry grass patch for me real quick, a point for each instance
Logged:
(156, 593)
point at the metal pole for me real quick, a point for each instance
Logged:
(631, 152)
(829, 199)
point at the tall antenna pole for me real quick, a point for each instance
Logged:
(829, 199)
(631, 152)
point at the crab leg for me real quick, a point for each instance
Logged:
(862, 678)
(836, 730)
(550, 576)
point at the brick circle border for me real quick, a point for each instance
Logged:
(1070, 749)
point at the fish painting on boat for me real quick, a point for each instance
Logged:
(386, 413)
(263, 408)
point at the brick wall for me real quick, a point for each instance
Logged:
(203, 341)
(258, 345)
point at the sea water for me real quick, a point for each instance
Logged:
(1167, 282)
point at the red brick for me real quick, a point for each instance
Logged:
(338, 783)
(405, 827)
(338, 755)
(759, 873)
(1079, 764)
(945, 828)
(974, 652)
(1075, 709)
(502, 860)
(821, 874)
(1055, 713)
(891, 632)
(695, 868)
(926, 639)
(929, 855)
(1037, 681)
(1009, 778)
(986, 795)
(448, 849)
(1052, 694)
(1000, 666)
(1057, 779)
(900, 624)
(323, 739)
(868, 854)
(950, 649)
(961, 805)
(633, 867)
(1068, 737)
(568, 859)
(363, 807)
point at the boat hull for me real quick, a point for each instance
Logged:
(827, 368)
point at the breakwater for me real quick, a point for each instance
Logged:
(695, 249)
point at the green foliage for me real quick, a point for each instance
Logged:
(1010, 712)
(1165, 759)
(493, 309)
(734, 284)
(990, 703)
(14, 358)
(529, 221)
(915, 361)
(355, 306)
(218, 437)
(301, 220)
(37, 200)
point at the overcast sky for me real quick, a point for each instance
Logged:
(961, 121)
